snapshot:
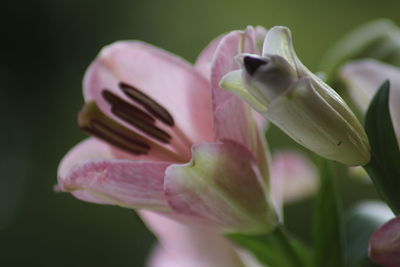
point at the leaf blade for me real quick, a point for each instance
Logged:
(384, 167)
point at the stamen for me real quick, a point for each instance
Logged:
(133, 111)
(93, 121)
(149, 129)
(148, 103)
(135, 117)
(119, 140)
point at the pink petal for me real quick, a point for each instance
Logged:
(168, 79)
(160, 257)
(293, 177)
(183, 245)
(87, 150)
(385, 244)
(205, 59)
(223, 185)
(132, 184)
(233, 119)
(224, 60)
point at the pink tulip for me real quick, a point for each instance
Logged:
(168, 139)
(385, 244)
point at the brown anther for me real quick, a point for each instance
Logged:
(148, 103)
(144, 126)
(125, 107)
(135, 117)
(115, 138)
(92, 120)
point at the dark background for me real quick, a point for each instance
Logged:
(45, 48)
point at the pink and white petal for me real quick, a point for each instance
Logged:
(223, 185)
(166, 78)
(127, 183)
(224, 60)
(385, 244)
(160, 257)
(204, 61)
(86, 150)
(232, 117)
(238, 122)
(188, 245)
(94, 149)
(294, 177)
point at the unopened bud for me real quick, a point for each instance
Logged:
(285, 92)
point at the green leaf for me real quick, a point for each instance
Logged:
(275, 249)
(328, 230)
(384, 167)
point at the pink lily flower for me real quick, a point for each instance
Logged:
(168, 139)
(385, 244)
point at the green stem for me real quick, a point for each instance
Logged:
(328, 228)
(275, 249)
(285, 238)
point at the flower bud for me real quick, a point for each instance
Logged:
(285, 92)
(384, 246)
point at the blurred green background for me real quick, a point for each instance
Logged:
(47, 45)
